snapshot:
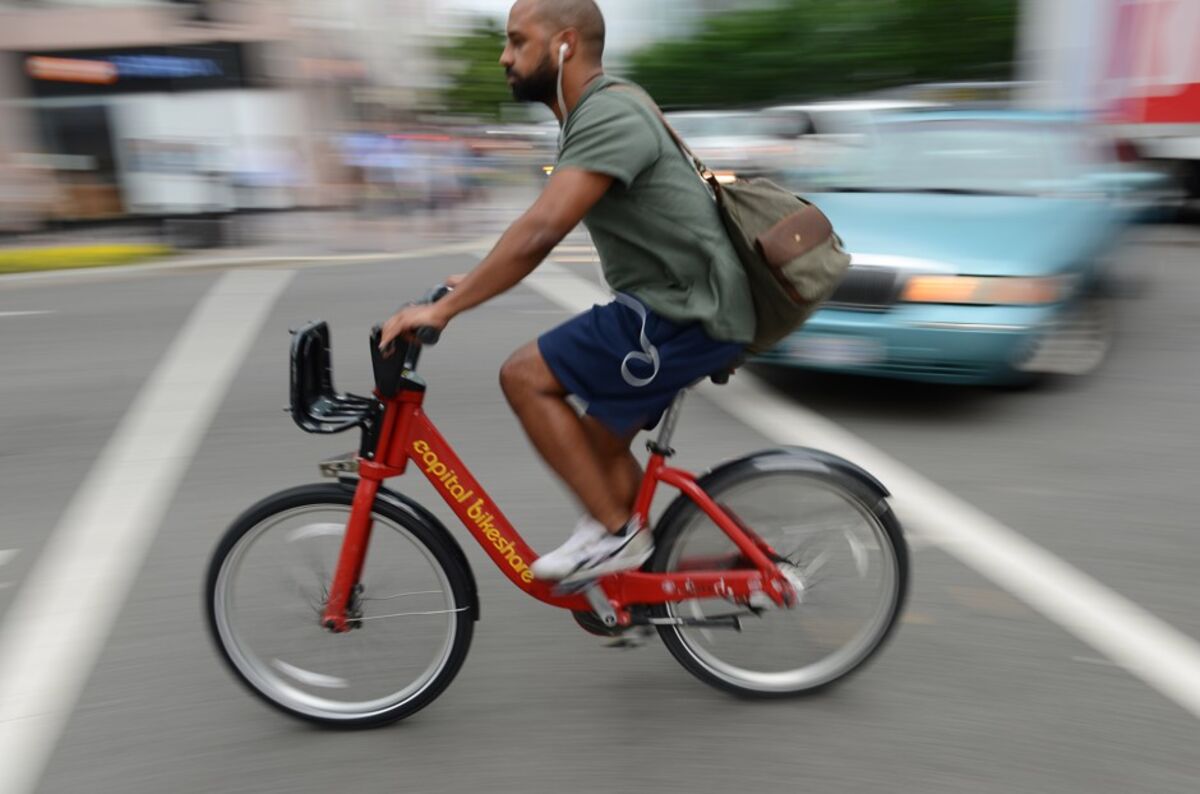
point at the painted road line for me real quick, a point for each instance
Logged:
(1160, 655)
(65, 608)
(24, 314)
(5, 556)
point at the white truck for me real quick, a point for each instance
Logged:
(1132, 64)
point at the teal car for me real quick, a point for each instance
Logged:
(977, 240)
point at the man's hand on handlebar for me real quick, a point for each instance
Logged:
(407, 320)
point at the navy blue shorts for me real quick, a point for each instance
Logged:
(627, 363)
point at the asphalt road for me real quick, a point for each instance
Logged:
(977, 692)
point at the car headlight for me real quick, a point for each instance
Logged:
(986, 290)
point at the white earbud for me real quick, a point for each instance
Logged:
(562, 102)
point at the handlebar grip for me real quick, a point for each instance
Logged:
(427, 336)
(430, 336)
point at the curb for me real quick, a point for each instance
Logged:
(274, 260)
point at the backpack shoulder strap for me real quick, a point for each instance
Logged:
(701, 169)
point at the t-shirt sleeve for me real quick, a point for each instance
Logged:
(610, 136)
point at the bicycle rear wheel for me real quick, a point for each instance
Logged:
(267, 587)
(839, 544)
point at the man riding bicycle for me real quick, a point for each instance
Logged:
(683, 308)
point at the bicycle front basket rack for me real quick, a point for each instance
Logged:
(316, 406)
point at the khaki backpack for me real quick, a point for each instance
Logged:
(791, 255)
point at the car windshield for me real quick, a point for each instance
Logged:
(968, 156)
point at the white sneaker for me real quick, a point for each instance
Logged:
(562, 561)
(612, 553)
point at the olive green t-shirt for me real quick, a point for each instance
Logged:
(657, 230)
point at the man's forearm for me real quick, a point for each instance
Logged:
(520, 249)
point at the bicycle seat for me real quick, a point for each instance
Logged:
(316, 405)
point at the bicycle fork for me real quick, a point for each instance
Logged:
(338, 616)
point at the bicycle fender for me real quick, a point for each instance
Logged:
(421, 514)
(821, 460)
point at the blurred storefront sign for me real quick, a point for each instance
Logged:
(97, 72)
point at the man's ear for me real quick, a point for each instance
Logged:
(570, 42)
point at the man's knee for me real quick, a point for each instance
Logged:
(525, 374)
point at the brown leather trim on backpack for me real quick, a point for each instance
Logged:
(794, 236)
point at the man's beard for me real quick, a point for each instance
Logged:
(539, 86)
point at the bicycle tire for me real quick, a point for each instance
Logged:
(255, 522)
(834, 476)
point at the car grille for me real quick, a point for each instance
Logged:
(867, 288)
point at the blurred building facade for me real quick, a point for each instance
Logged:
(152, 108)
(159, 108)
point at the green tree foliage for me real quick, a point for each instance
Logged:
(477, 86)
(804, 49)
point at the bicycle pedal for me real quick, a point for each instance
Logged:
(634, 638)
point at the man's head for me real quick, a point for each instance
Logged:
(539, 31)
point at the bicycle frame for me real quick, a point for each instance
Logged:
(408, 435)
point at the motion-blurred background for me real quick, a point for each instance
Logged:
(988, 139)
(117, 110)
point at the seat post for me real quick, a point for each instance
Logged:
(662, 444)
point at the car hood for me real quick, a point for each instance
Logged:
(973, 234)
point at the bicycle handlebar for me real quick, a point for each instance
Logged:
(424, 334)
(427, 336)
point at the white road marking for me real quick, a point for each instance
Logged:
(24, 314)
(5, 556)
(66, 606)
(1154, 651)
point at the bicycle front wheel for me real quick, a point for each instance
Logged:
(838, 543)
(267, 587)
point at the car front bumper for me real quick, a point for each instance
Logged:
(935, 343)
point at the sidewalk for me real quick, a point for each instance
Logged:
(318, 238)
(300, 233)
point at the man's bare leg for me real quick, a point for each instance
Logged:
(624, 471)
(585, 460)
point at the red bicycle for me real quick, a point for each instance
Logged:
(775, 574)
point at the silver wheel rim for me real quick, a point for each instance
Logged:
(715, 649)
(297, 686)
